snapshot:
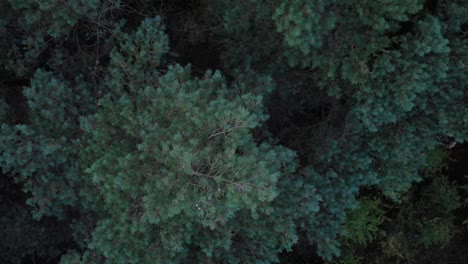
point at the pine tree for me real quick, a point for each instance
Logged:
(182, 177)
(389, 73)
(43, 152)
(162, 161)
(154, 165)
(35, 33)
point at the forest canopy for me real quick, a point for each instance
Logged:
(233, 131)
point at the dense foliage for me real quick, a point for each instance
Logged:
(425, 227)
(232, 131)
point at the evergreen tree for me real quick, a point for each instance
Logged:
(389, 74)
(151, 164)
(43, 152)
(181, 176)
(162, 161)
(34, 33)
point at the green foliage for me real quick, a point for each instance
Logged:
(425, 223)
(393, 70)
(302, 24)
(43, 152)
(334, 200)
(153, 165)
(437, 160)
(55, 17)
(442, 198)
(179, 169)
(362, 228)
(23, 238)
(133, 65)
(175, 158)
(435, 232)
(30, 26)
(424, 227)
(362, 224)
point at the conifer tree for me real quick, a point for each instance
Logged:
(181, 175)
(153, 165)
(389, 73)
(43, 152)
(165, 167)
(34, 33)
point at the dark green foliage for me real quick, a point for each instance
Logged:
(464, 193)
(313, 101)
(43, 152)
(134, 64)
(4, 109)
(177, 165)
(394, 68)
(27, 25)
(424, 227)
(24, 238)
(424, 223)
(420, 229)
(437, 160)
(179, 170)
(362, 224)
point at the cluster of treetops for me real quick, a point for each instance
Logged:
(233, 131)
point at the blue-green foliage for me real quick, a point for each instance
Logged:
(388, 162)
(168, 168)
(323, 227)
(304, 24)
(29, 27)
(43, 152)
(134, 64)
(56, 17)
(181, 176)
(397, 70)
